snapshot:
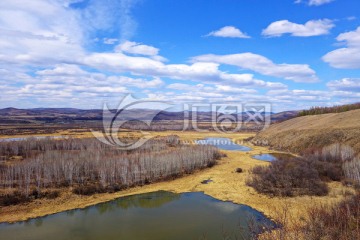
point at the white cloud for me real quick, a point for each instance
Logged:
(110, 41)
(180, 86)
(201, 71)
(352, 38)
(45, 63)
(349, 56)
(351, 18)
(217, 88)
(137, 48)
(319, 2)
(260, 64)
(212, 93)
(39, 32)
(299, 95)
(310, 28)
(63, 69)
(11, 75)
(347, 96)
(315, 2)
(345, 84)
(57, 86)
(135, 82)
(228, 32)
(73, 75)
(231, 89)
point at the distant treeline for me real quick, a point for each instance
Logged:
(334, 109)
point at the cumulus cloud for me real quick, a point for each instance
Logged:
(228, 32)
(13, 76)
(65, 82)
(63, 69)
(349, 56)
(310, 28)
(137, 48)
(212, 93)
(300, 95)
(136, 82)
(67, 74)
(33, 32)
(201, 71)
(345, 84)
(217, 88)
(46, 61)
(236, 90)
(180, 86)
(263, 65)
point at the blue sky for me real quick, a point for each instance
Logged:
(81, 53)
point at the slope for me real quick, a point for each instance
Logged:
(315, 131)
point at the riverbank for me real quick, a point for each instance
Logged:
(226, 185)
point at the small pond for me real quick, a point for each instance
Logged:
(156, 215)
(272, 156)
(223, 143)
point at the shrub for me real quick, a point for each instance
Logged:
(13, 198)
(16, 197)
(336, 162)
(340, 221)
(52, 194)
(88, 189)
(288, 178)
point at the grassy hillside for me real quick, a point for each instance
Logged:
(299, 134)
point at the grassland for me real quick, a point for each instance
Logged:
(314, 131)
(226, 185)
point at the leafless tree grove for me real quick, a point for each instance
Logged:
(50, 163)
(347, 156)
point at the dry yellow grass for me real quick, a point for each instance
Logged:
(300, 133)
(227, 185)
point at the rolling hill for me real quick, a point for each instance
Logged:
(314, 131)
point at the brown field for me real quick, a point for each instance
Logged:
(227, 185)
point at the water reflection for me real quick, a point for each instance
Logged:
(223, 143)
(157, 215)
(272, 156)
(149, 200)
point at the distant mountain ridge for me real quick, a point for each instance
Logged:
(73, 114)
